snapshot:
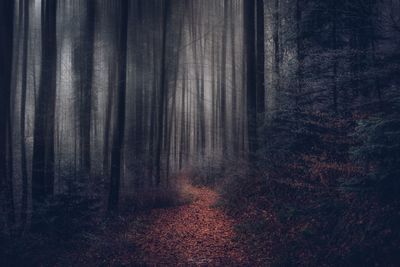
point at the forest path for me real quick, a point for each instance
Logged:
(195, 234)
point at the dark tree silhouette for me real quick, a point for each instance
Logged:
(119, 127)
(6, 52)
(251, 82)
(44, 129)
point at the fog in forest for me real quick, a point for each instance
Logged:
(265, 122)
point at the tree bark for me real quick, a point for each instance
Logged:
(163, 92)
(224, 43)
(260, 57)
(251, 87)
(277, 47)
(87, 86)
(6, 52)
(44, 125)
(119, 128)
(24, 169)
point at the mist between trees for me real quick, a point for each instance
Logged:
(102, 100)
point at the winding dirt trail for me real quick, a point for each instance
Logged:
(196, 234)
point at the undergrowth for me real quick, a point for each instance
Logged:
(297, 208)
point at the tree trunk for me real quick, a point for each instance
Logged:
(119, 127)
(44, 125)
(251, 88)
(260, 57)
(107, 126)
(299, 48)
(163, 93)
(335, 60)
(6, 51)
(86, 103)
(234, 111)
(277, 48)
(24, 169)
(224, 43)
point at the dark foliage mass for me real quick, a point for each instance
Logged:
(138, 132)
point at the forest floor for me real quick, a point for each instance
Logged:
(193, 234)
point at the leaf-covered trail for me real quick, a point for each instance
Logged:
(194, 234)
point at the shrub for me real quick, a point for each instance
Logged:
(68, 214)
(378, 151)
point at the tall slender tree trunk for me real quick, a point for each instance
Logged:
(138, 131)
(260, 57)
(183, 120)
(119, 127)
(277, 47)
(6, 52)
(44, 126)
(107, 126)
(202, 123)
(88, 49)
(234, 105)
(213, 95)
(251, 87)
(173, 105)
(163, 92)
(224, 43)
(335, 59)
(153, 119)
(194, 33)
(299, 48)
(24, 169)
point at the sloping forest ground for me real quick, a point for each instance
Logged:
(286, 224)
(191, 230)
(195, 233)
(309, 203)
(278, 223)
(315, 205)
